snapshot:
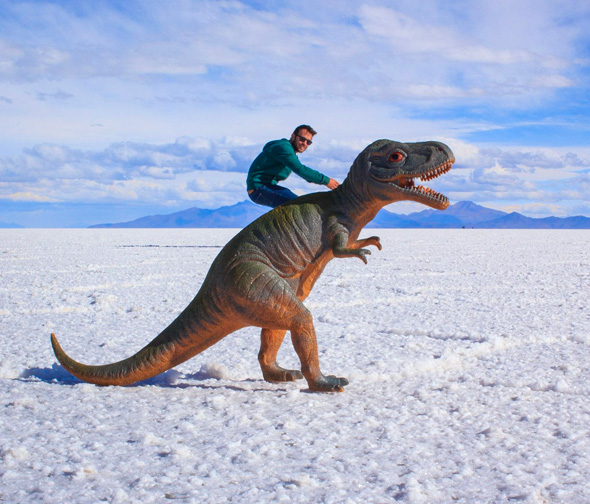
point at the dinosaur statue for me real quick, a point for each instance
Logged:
(265, 272)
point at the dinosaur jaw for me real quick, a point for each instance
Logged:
(406, 188)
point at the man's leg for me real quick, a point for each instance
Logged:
(271, 196)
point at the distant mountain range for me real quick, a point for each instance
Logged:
(469, 215)
(10, 225)
(235, 216)
(460, 215)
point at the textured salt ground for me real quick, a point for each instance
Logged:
(467, 353)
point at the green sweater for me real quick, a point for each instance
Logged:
(276, 162)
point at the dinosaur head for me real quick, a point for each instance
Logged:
(386, 171)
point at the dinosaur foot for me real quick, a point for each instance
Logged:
(278, 374)
(328, 384)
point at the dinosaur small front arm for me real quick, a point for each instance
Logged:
(340, 246)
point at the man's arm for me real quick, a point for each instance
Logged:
(284, 154)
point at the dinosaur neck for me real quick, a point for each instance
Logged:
(360, 207)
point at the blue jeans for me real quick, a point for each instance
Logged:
(271, 195)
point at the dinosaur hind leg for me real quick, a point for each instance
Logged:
(286, 312)
(269, 301)
(305, 344)
(271, 340)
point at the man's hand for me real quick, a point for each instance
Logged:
(333, 184)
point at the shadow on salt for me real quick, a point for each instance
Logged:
(57, 375)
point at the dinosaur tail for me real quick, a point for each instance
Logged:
(184, 338)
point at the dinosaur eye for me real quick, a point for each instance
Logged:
(396, 157)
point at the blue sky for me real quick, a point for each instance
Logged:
(112, 110)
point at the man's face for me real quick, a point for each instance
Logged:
(301, 140)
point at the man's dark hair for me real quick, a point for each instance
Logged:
(305, 127)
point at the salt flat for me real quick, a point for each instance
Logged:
(467, 353)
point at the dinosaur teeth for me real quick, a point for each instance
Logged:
(427, 192)
(407, 184)
(436, 172)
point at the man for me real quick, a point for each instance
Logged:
(276, 162)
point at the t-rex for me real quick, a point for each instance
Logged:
(265, 272)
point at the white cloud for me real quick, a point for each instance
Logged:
(229, 51)
(551, 81)
(535, 178)
(223, 160)
(470, 55)
(410, 36)
(192, 170)
(26, 196)
(185, 170)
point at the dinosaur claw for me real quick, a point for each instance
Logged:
(362, 255)
(329, 384)
(375, 241)
(278, 374)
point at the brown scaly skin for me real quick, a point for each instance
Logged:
(263, 275)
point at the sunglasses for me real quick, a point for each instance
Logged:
(303, 139)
